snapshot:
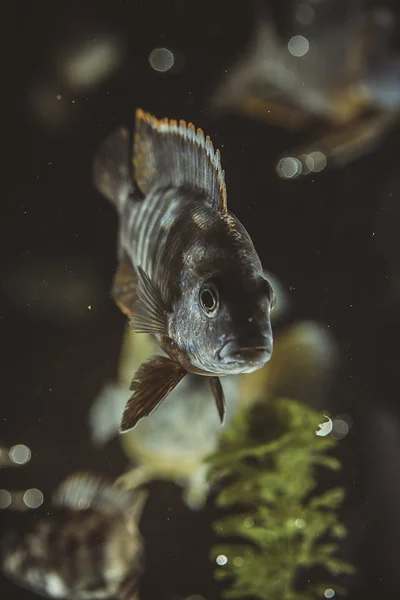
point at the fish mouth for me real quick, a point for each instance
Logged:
(246, 351)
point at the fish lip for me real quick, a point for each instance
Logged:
(241, 351)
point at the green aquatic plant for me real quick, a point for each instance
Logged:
(265, 469)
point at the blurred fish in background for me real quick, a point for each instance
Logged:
(332, 66)
(173, 444)
(88, 546)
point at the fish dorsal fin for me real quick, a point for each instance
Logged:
(149, 313)
(154, 380)
(84, 490)
(170, 153)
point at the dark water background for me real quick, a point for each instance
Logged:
(332, 238)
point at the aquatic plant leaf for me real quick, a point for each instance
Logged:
(265, 474)
(330, 499)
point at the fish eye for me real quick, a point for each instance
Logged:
(209, 299)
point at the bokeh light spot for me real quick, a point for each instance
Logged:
(298, 46)
(221, 560)
(305, 14)
(20, 454)
(5, 498)
(33, 498)
(319, 161)
(289, 167)
(340, 429)
(161, 59)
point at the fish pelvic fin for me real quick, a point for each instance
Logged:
(149, 312)
(153, 381)
(112, 169)
(168, 152)
(83, 490)
(218, 393)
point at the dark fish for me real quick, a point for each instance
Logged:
(87, 548)
(332, 68)
(188, 272)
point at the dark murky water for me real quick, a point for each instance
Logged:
(332, 239)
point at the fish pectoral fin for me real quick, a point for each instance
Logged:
(219, 396)
(149, 313)
(124, 286)
(153, 381)
(111, 169)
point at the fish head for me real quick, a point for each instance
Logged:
(222, 322)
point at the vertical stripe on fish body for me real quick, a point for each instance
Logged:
(188, 271)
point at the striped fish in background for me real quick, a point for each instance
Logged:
(87, 547)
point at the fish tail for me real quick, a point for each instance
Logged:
(112, 168)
